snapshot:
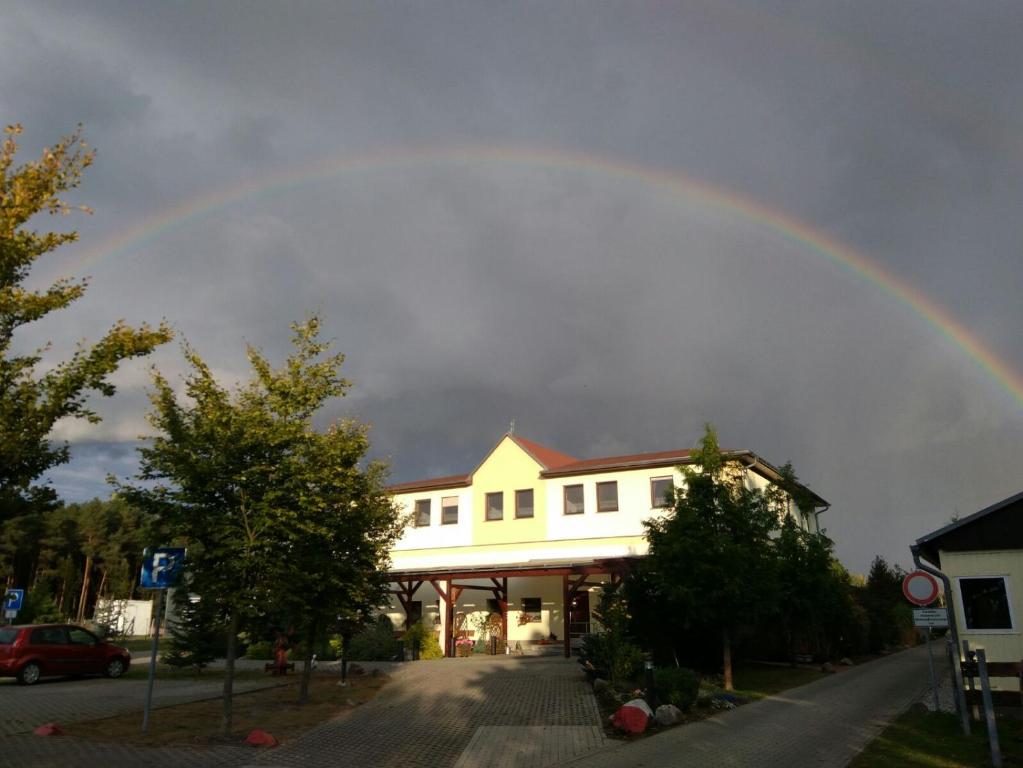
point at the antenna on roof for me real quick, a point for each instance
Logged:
(511, 427)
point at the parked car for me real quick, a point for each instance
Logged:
(33, 651)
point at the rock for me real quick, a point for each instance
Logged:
(632, 717)
(355, 669)
(376, 673)
(827, 667)
(50, 729)
(600, 684)
(258, 738)
(845, 661)
(668, 714)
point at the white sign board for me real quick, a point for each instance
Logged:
(930, 617)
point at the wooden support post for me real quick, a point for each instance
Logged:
(503, 602)
(567, 611)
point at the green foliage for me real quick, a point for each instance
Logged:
(711, 564)
(375, 642)
(429, 646)
(197, 631)
(609, 649)
(888, 615)
(263, 649)
(291, 520)
(39, 608)
(33, 400)
(678, 686)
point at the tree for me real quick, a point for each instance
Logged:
(31, 401)
(243, 475)
(196, 632)
(711, 559)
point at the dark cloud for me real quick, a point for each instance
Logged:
(602, 313)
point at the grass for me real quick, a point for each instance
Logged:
(273, 710)
(757, 682)
(922, 739)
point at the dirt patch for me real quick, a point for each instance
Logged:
(272, 709)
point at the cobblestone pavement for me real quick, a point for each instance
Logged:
(426, 716)
(823, 724)
(23, 708)
(430, 712)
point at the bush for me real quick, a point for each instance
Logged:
(375, 643)
(678, 686)
(264, 649)
(39, 608)
(429, 647)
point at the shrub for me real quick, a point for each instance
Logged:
(429, 647)
(264, 649)
(678, 686)
(375, 643)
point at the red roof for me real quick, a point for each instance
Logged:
(451, 481)
(618, 462)
(548, 457)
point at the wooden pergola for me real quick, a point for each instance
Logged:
(575, 576)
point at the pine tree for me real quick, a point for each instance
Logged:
(196, 632)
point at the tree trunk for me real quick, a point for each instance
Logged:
(726, 649)
(307, 670)
(232, 643)
(85, 588)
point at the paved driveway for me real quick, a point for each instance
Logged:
(823, 724)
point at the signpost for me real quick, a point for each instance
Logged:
(920, 588)
(161, 568)
(13, 600)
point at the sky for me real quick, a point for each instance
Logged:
(611, 223)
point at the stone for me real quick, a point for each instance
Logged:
(827, 667)
(632, 717)
(845, 661)
(258, 738)
(668, 714)
(50, 729)
(600, 684)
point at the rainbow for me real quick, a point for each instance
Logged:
(673, 182)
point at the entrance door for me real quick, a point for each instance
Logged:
(579, 615)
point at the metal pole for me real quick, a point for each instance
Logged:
(989, 710)
(152, 664)
(957, 672)
(930, 665)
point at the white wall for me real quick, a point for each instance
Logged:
(436, 535)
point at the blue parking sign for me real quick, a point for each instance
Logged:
(14, 599)
(161, 567)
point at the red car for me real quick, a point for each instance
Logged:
(48, 650)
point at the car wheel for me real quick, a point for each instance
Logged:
(114, 668)
(29, 674)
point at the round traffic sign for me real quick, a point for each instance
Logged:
(920, 588)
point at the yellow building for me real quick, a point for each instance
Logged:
(531, 531)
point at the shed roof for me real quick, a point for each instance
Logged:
(999, 526)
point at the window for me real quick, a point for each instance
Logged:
(49, 636)
(495, 506)
(661, 491)
(573, 499)
(985, 603)
(449, 510)
(524, 503)
(607, 496)
(530, 610)
(422, 513)
(493, 605)
(80, 637)
(415, 612)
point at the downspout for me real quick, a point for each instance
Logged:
(950, 608)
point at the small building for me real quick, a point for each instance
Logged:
(982, 556)
(528, 535)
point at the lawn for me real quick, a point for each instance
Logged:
(922, 739)
(273, 710)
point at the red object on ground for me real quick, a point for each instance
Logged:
(632, 717)
(50, 729)
(260, 738)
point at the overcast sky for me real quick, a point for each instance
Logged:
(603, 312)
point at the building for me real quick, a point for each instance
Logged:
(982, 558)
(531, 531)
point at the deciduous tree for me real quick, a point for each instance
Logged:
(32, 400)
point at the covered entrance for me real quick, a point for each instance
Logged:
(550, 601)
